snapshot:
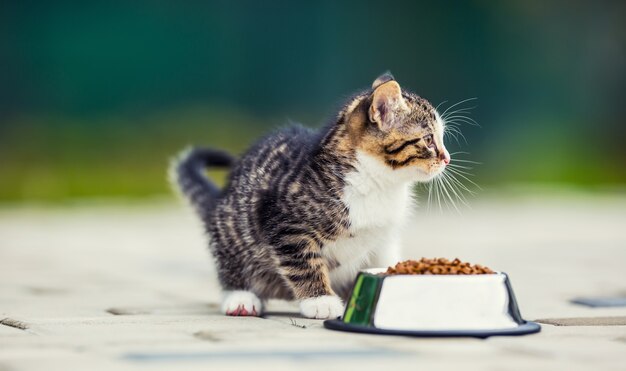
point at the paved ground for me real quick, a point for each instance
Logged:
(131, 287)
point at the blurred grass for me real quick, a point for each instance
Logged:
(550, 151)
(53, 159)
(96, 97)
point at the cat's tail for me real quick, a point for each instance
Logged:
(187, 174)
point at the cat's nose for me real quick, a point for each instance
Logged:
(444, 156)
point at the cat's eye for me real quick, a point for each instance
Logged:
(428, 140)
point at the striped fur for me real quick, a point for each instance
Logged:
(304, 210)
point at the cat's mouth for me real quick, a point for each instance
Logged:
(432, 171)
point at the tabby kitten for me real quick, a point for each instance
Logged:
(304, 210)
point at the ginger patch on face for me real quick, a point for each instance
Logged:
(409, 140)
(396, 126)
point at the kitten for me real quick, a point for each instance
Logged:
(304, 211)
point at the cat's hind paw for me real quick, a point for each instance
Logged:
(241, 303)
(322, 307)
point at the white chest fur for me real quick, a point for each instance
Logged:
(378, 199)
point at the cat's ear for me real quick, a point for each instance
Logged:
(387, 102)
(385, 77)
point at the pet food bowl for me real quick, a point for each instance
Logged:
(480, 305)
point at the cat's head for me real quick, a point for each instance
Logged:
(401, 129)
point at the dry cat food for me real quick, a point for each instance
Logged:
(437, 266)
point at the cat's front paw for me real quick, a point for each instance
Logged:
(241, 303)
(322, 307)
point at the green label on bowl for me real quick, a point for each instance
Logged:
(361, 304)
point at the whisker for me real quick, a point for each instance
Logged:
(456, 104)
(464, 115)
(437, 194)
(462, 172)
(460, 122)
(444, 194)
(457, 131)
(430, 191)
(453, 134)
(445, 189)
(444, 102)
(466, 161)
(455, 171)
(455, 183)
(458, 195)
(461, 166)
(458, 113)
(460, 185)
(461, 110)
(461, 119)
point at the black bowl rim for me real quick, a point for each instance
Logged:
(525, 328)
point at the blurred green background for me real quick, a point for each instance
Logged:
(95, 97)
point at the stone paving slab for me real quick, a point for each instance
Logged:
(131, 287)
(585, 321)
